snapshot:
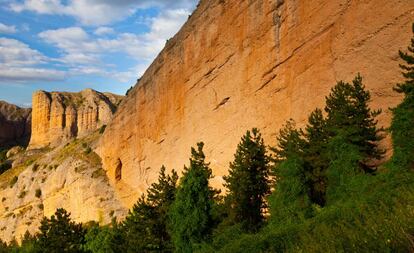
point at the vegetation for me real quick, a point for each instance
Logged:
(38, 193)
(248, 182)
(13, 181)
(192, 211)
(323, 185)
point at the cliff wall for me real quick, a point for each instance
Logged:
(14, 124)
(60, 116)
(242, 64)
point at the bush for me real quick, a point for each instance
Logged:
(13, 181)
(35, 167)
(38, 193)
(22, 194)
(102, 129)
(88, 150)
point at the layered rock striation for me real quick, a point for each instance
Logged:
(60, 116)
(14, 124)
(241, 64)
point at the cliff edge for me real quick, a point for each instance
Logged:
(241, 64)
(61, 116)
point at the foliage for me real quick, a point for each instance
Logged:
(191, 212)
(248, 182)
(145, 227)
(13, 181)
(290, 200)
(403, 115)
(60, 234)
(38, 193)
(348, 114)
(102, 239)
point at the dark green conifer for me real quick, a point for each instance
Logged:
(60, 234)
(316, 157)
(191, 213)
(248, 182)
(290, 201)
(146, 224)
(403, 115)
(349, 115)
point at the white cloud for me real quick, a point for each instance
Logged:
(23, 74)
(18, 63)
(80, 47)
(96, 12)
(16, 53)
(7, 29)
(103, 30)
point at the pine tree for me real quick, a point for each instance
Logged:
(407, 87)
(315, 156)
(403, 115)
(248, 181)
(350, 116)
(191, 213)
(60, 234)
(290, 201)
(290, 142)
(146, 224)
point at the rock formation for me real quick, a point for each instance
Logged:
(61, 116)
(43, 180)
(14, 124)
(241, 64)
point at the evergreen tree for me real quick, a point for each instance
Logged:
(191, 212)
(290, 201)
(407, 87)
(60, 234)
(99, 239)
(403, 115)
(350, 116)
(248, 181)
(146, 225)
(290, 142)
(315, 156)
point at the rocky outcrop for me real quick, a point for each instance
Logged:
(60, 116)
(242, 64)
(43, 180)
(14, 124)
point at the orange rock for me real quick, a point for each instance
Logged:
(60, 116)
(242, 64)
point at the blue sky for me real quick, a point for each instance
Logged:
(70, 45)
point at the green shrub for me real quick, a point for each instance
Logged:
(38, 193)
(35, 167)
(102, 129)
(13, 181)
(88, 150)
(22, 194)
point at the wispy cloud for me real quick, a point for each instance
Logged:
(18, 62)
(95, 12)
(7, 28)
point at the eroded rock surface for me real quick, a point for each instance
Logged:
(61, 116)
(242, 64)
(14, 124)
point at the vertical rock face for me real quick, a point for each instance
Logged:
(242, 64)
(14, 124)
(60, 116)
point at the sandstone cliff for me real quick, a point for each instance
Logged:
(242, 64)
(14, 124)
(61, 116)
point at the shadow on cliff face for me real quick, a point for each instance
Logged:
(15, 125)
